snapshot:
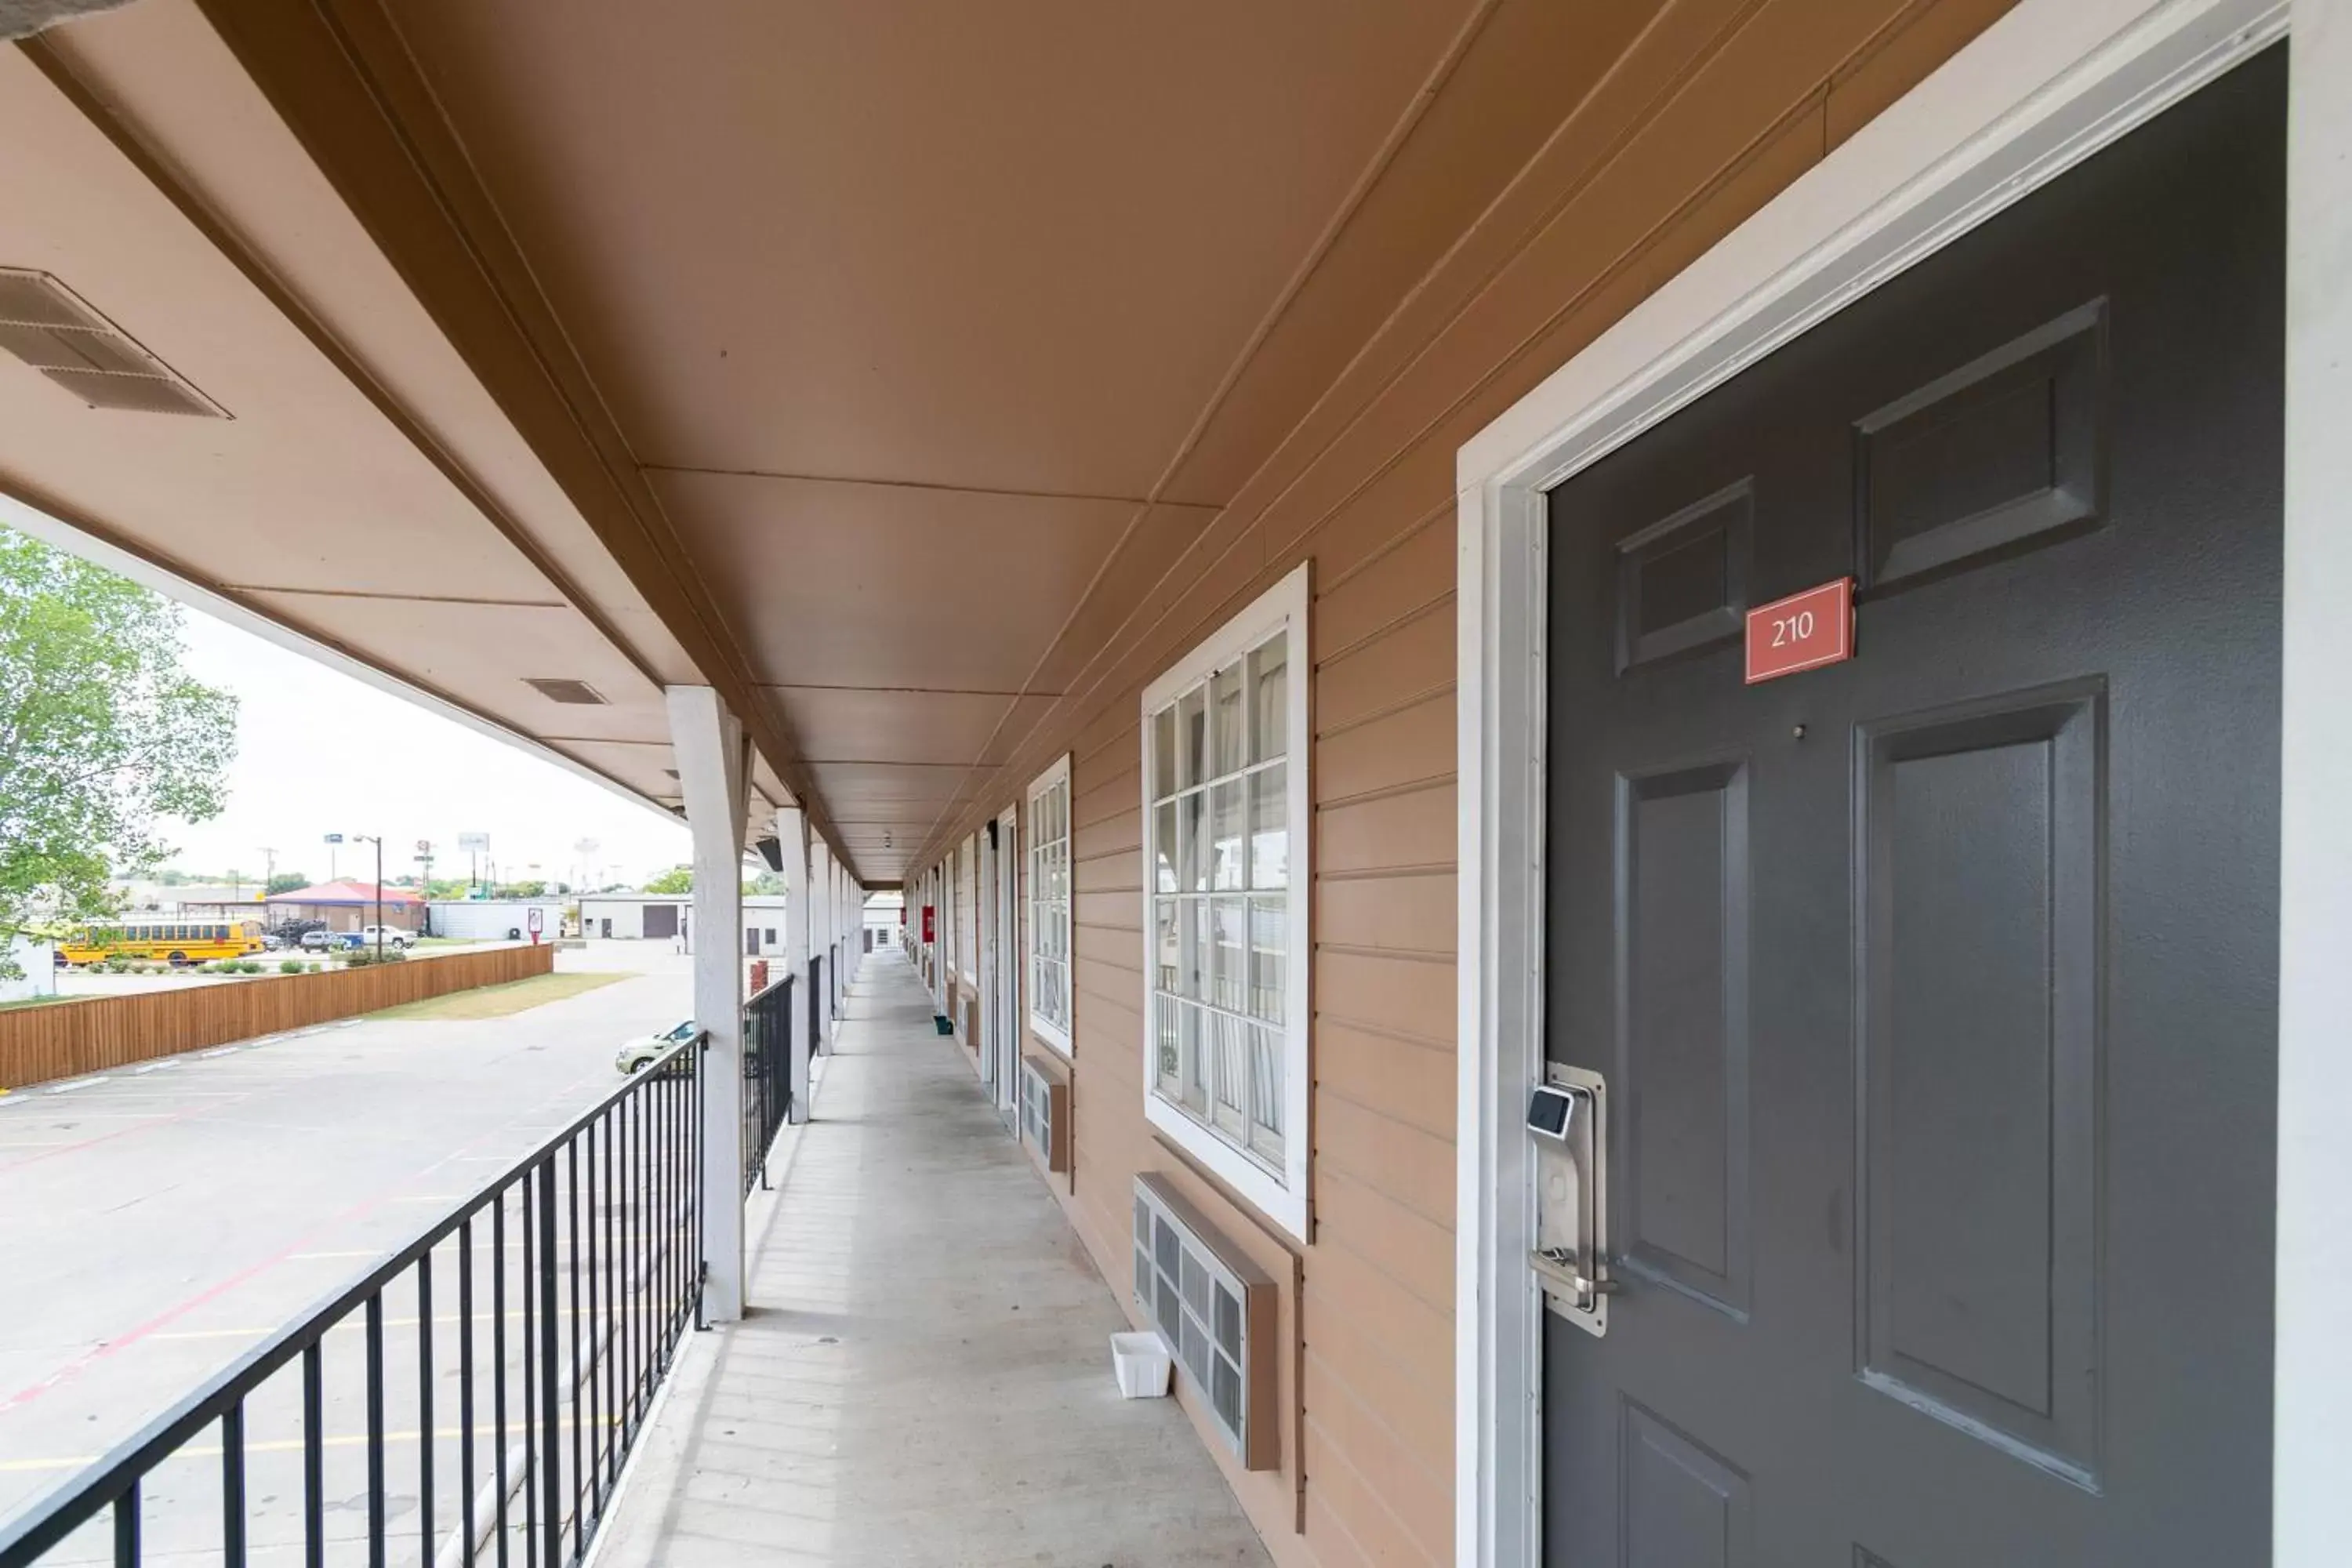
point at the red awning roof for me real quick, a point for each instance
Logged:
(346, 892)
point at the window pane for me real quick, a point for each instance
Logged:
(1165, 940)
(1269, 934)
(1231, 1081)
(1269, 828)
(1164, 846)
(1191, 737)
(1163, 753)
(1192, 829)
(1225, 754)
(1170, 1058)
(1266, 1092)
(1232, 952)
(1197, 948)
(1196, 1064)
(1269, 698)
(1229, 804)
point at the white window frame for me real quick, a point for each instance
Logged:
(966, 905)
(1055, 1035)
(1282, 1197)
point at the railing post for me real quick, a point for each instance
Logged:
(549, 1395)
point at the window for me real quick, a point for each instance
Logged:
(1224, 796)
(967, 910)
(1049, 906)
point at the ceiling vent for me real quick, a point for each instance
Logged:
(576, 693)
(50, 328)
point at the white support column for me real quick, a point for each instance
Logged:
(821, 936)
(714, 774)
(792, 840)
(2313, 1385)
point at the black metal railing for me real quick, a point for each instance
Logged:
(767, 1076)
(494, 1433)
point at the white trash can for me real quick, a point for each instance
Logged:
(1143, 1364)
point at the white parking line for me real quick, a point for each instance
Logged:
(77, 1083)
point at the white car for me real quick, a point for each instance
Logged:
(397, 939)
(638, 1052)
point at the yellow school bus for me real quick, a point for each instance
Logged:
(169, 941)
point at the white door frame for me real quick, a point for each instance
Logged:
(2042, 89)
(984, 957)
(1004, 997)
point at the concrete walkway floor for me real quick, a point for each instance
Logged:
(924, 1374)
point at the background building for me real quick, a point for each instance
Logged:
(348, 906)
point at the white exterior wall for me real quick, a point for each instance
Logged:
(627, 914)
(763, 913)
(39, 961)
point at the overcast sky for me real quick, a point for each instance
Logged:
(320, 752)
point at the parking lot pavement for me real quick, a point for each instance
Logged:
(156, 1221)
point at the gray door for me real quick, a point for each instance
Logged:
(1934, 990)
(660, 920)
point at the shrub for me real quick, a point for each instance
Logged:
(290, 966)
(248, 966)
(362, 958)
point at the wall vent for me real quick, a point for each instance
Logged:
(577, 693)
(1215, 1310)
(1045, 1113)
(55, 331)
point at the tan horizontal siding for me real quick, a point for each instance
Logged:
(1634, 158)
(1403, 1178)
(1412, 997)
(1404, 913)
(1411, 745)
(1411, 1082)
(1412, 826)
(1403, 662)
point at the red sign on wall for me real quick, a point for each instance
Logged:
(1804, 631)
(927, 937)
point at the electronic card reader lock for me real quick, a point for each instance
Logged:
(1567, 1123)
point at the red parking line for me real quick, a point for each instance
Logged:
(119, 1132)
(108, 1348)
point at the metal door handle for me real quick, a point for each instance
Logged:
(1572, 1260)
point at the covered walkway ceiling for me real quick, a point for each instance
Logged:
(873, 362)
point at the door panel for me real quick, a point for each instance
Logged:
(1682, 1055)
(1976, 840)
(1936, 989)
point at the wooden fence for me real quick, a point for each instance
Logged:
(65, 1039)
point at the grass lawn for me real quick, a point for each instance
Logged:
(35, 1001)
(499, 1001)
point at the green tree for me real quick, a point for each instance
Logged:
(286, 882)
(677, 880)
(102, 731)
(767, 882)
